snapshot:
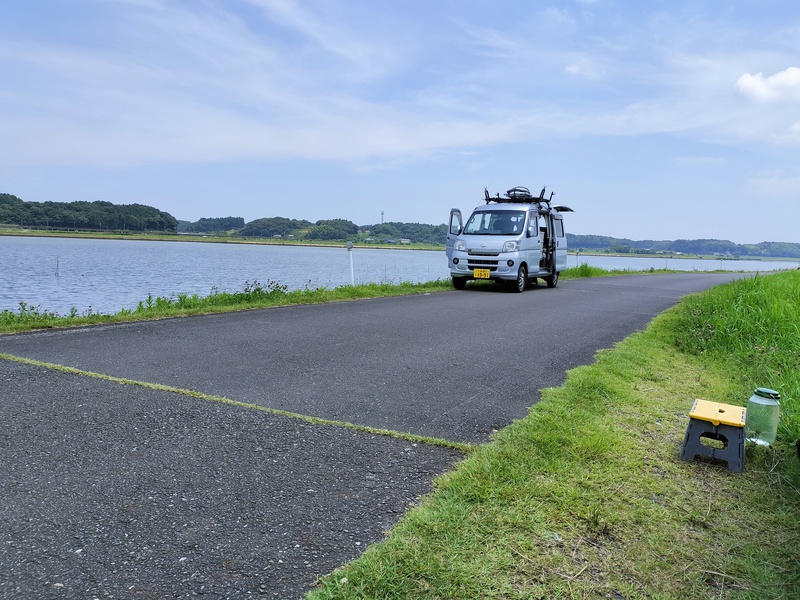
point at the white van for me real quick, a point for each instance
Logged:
(515, 239)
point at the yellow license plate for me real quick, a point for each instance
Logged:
(481, 273)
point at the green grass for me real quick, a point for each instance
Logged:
(254, 295)
(753, 329)
(584, 270)
(586, 497)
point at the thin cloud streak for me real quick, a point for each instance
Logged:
(209, 86)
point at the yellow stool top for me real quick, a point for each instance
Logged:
(716, 413)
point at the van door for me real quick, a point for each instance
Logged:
(561, 245)
(533, 242)
(453, 231)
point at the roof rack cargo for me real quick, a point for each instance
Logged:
(519, 194)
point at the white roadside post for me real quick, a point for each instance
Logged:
(350, 252)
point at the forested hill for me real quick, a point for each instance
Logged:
(105, 216)
(599, 243)
(326, 229)
(340, 229)
(84, 215)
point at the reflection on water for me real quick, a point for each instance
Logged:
(57, 274)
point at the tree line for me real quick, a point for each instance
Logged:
(84, 215)
(211, 225)
(703, 247)
(138, 217)
(326, 229)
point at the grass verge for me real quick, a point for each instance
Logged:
(254, 295)
(587, 497)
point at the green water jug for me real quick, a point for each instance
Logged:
(763, 414)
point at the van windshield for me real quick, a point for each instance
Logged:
(495, 222)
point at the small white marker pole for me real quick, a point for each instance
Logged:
(350, 252)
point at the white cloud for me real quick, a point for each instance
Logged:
(585, 66)
(777, 183)
(495, 44)
(332, 34)
(784, 85)
(701, 161)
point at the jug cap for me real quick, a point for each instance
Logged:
(767, 393)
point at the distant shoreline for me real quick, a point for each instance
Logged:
(212, 239)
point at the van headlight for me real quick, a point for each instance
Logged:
(460, 246)
(511, 246)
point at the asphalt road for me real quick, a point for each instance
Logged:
(120, 491)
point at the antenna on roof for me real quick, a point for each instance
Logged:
(541, 194)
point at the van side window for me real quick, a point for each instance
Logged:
(533, 225)
(559, 227)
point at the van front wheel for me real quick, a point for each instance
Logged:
(552, 280)
(459, 283)
(522, 279)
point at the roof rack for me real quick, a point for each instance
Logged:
(519, 194)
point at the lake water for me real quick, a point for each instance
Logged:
(105, 276)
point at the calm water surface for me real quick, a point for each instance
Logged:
(105, 276)
(57, 274)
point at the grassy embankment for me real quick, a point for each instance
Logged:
(587, 497)
(254, 295)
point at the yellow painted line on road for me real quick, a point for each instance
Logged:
(466, 448)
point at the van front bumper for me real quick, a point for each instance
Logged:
(469, 266)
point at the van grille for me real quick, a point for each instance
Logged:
(477, 263)
(482, 260)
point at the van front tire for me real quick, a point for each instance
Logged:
(459, 282)
(522, 279)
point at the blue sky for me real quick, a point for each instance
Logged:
(658, 119)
